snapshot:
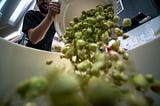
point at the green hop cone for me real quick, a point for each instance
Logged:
(33, 87)
(126, 22)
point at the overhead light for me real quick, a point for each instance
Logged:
(21, 7)
(2, 2)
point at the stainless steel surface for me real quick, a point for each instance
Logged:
(147, 60)
(142, 34)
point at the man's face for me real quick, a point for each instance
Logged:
(43, 5)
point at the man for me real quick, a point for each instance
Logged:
(39, 25)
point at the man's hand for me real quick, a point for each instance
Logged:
(54, 8)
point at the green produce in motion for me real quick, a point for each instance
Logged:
(102, 75)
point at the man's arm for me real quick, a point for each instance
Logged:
(38, 33)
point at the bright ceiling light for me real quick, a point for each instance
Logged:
(21, 7)
(2, 2)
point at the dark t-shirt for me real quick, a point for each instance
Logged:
(31, 20)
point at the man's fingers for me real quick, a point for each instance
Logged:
(55, 7)
(55, 4)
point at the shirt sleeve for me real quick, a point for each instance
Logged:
(29, 21)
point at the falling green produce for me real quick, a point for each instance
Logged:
(101, 76)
